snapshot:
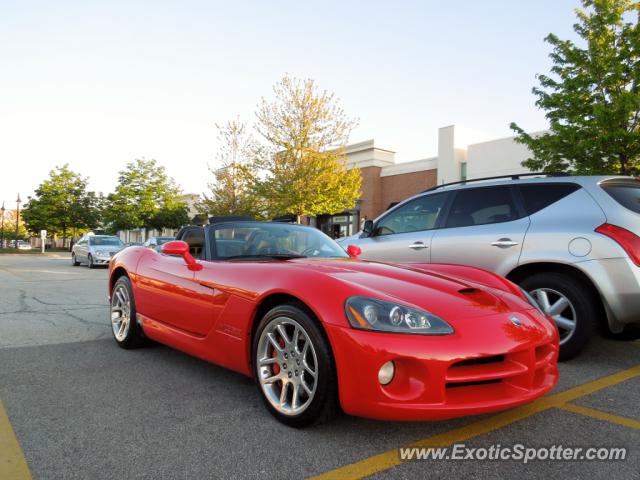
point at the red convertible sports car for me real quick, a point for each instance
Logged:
(321, 330)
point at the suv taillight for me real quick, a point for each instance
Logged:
(629, 241)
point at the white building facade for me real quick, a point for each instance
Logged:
(386, 182)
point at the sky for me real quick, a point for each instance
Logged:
(98, 84)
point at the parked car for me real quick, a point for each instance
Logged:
(95, 250)
(318, 330)
(571, 242)
(22, 245)
(156, 242)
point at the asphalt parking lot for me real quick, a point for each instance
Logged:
(74, 405)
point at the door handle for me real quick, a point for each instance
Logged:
(504, 243)
(417, 246)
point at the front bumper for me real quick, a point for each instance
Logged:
(483, 367)
(101, 261)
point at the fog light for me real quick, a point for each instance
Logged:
(385, 375)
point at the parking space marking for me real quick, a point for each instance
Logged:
(600, 415)
(12, 462)
(389, 459)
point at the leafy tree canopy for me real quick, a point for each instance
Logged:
(233, 190)
(144, 190)
(304, 167)
(62, 205)
(592, 95)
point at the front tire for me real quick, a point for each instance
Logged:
(91, 264)
(570, 303)
(294, 367)
(124, 325)
(74, 262)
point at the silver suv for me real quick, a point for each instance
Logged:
(572, 242)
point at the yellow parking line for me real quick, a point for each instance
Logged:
(12, 463)
(391, 458)
(600, 415)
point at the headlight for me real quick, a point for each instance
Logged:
(102, 253)
(372, 314)
(532, 301)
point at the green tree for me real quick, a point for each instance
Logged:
(62, 205)
(233, 190)
(592, 96)
(174, 216)
(10, 227)
(304, 163)
(144, 190)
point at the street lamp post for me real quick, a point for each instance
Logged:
(18, 202)
(2, 209)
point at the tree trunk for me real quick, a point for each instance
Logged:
(624, 161)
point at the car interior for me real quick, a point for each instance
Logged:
(194, 237)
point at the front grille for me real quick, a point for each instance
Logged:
(471, 384)
(524, 369)
(479, 361)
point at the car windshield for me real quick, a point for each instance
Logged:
(272, 240)
(105, 242)
(163, 240)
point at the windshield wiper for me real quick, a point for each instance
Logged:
(274, 256)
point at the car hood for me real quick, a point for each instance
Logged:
(438, 293)
(109, 249)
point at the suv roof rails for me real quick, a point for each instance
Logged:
(230, 218)
(285, 219)
(515, 176)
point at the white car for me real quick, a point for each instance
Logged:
(22, 245)
(95, 250)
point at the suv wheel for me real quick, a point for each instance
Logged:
(571, 305)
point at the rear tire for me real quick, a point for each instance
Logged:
(302, 366)
(630, 332)
(582, 306)
(124, 324)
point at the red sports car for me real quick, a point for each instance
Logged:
(319, 329)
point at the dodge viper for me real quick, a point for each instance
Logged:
(321, 331)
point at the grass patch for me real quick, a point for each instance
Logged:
(33, 251)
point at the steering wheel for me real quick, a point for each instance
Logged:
(310, 252)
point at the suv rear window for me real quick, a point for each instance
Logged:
(626, 194)
(541, 195)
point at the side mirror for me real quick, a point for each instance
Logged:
(180, 248)
(367, 228)
(354, 251)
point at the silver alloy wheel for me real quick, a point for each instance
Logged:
(120, 312)
(287, 366)
(560, 308)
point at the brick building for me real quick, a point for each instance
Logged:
(385, 182)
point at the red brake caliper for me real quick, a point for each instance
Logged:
(275, 367)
